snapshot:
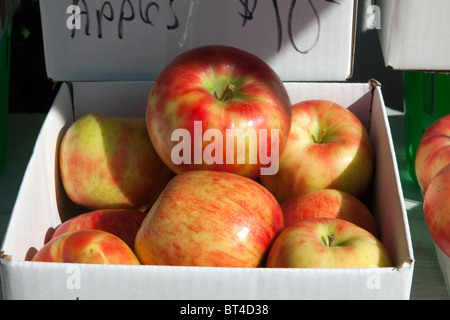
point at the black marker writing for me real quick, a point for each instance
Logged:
(123, 18)
(145, 15)
(149, 11)
(101, 14)
(290, 35)
(176, 23)
(248, 13)
(84, 12)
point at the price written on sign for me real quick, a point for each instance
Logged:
(92, 16)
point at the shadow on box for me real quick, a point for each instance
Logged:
(66, 207)
(364, 114)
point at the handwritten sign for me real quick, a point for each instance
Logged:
(134, 39)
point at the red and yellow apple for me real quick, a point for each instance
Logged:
(328, 148)
(109, 163)
(219, 108)
(87, 246)
(436, 207)
(327, 243)
(124, 223)
(209, 218)
(433, 152)
(329, 203)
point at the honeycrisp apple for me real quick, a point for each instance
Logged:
(433, 152)
(110, 163)
(328, 148)
(219, 108)
(124, 223)
(328, 203)
(436, 207)
(327, 243)
(87, 246)
(209, 218)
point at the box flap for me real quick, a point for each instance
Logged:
(414, 34)
(96, 40)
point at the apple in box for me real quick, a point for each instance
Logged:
(209, 218)
(436, 207)
(210, 96)
(433, 152)
(328, 203)
(124, 223)
(327, 243)
(87, 246)
(328, 148)
(109, 163)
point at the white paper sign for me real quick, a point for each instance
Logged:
(135, 39)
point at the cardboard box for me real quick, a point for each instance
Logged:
(134, 40)
(414, 34)
(42, 201)
(42, 204)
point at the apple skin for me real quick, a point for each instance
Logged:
(343, 159)
(124, 223)
(433, 152)
(329, 203)
(209, 218)
(110, 163)
(186, 89)
(87, 246)
(436, 207)
(305, 244)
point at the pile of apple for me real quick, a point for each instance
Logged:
(213, 208)
(432, 165)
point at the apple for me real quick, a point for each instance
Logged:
(433, 152)
(328, 203)
(436, 207)
(211, 100)
(209, 218)
(124, 223)
(109, 163)
(327, 243)
(328, 148)
(87, 246)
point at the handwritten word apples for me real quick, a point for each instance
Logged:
(209, 218)
(109, 163)
(328, 148)
(87, 246)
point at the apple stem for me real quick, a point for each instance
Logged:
(330, 239)
(226, 93)
(320, 138)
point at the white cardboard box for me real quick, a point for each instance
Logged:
(294, 37)
(42, 205)
(42, 200)
(414, 34)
